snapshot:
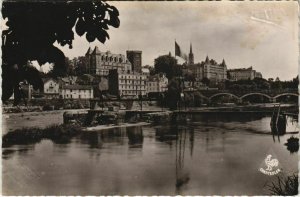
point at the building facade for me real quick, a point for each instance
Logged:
(51, 88)
(243, 74)
(211, 70)
(100, 63)
(127, 84)
(77, 92)
(135, 58)
(157, 83)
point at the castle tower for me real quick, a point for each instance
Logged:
(191, 56)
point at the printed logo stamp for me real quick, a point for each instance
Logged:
(270, 166)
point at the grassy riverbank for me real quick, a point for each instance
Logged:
(57, 133)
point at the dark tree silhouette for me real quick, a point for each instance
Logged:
(167, 64)
(33, 28)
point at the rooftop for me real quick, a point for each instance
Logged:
(77, 87)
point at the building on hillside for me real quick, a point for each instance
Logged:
(126, 84)
(210, 69)
(135, 58)
(100, 63)
(243, 74)
(146, 71)
(157, 83)
(258, 75)
(77, 92)
(51, 88)
(69, 80)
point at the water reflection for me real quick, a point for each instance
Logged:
(135, 136)
(96, 139)
(221, 156)
(181, 137)
(182, 174)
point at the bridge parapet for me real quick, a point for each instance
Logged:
(240, 93)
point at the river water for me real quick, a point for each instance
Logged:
(217, 154)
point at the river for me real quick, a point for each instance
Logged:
(217, 154)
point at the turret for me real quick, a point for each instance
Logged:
(223, 63)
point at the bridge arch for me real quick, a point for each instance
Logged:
(286, 94)
(223, 94)
(255, 93)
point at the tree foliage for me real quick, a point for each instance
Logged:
(168, 65)
(173, 94)
(33, 28)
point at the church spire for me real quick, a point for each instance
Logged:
(207, 59)
(223, 63)
(191, 55)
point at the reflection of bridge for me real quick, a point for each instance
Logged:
(241, 95)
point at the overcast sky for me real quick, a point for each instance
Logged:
(259, 34)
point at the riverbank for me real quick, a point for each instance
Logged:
(103, 127)
(57, 157)
(45, 119)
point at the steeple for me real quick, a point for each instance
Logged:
(191, 55)
(207, 59)
(88, 51)
(96, 50)
(223, 63)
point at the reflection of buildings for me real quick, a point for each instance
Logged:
(135, 137)
(118, 136)
(182, 176)
(181, 138)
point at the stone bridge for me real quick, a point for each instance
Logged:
(209, 95)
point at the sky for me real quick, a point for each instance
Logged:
(263, 35)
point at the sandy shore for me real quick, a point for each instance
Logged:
(103, 127)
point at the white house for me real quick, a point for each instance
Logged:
(77, 92)
(51, 88)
